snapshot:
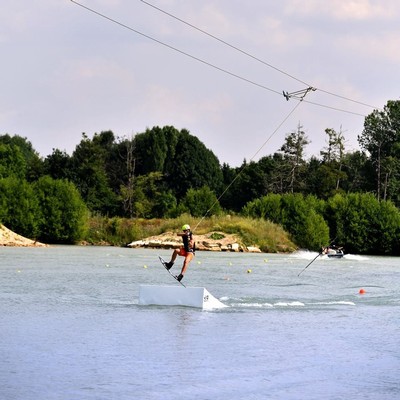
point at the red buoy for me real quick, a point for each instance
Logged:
(361, 291)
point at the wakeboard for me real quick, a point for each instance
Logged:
(163, 262)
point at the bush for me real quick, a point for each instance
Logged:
(63, 214)
(201, 202)
(363, 224)
(19, 207)
(118, 231)
(297, 214)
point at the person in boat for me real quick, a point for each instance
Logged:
(332, 250)
(328, 250)
(187, 250)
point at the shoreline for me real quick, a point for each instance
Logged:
(170, 240)
(212, 241)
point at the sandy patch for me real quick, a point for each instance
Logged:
(10, 238)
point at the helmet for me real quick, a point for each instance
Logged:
(186, 227)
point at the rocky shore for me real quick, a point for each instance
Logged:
(212, 241)
(10, 238)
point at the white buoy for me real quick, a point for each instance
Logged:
(178, 296)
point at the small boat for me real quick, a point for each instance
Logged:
(333, 252)
(336, 254)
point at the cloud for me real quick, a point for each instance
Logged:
(373, 46)
(175, 106)
(343, 10)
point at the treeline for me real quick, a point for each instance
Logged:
(361, 223)
(164, 173)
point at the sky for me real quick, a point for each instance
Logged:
(214, 67)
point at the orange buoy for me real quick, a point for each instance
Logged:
(361, 291)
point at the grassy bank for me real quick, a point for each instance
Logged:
(269, 237)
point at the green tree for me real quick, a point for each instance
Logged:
(89, 162)
(58, 165)
(293, 153)
(363, 224)
(388, 226)
(121, 173)
(182, 159)
(266, 207)
(359, 171)
(19, 207)
(335, 148)
(379, 138)
(315, 185)
(154, 147)
(332, 160)
(300, 216)
(201, 202)
(33, 167)
(149, 199)
(273, 167)
(315, 231)
(165, 205)
(193, 166)
(63, 214)
(12, 162)
(248, 183)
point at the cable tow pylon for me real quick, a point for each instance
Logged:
(300, 94)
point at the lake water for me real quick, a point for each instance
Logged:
(71, 327)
